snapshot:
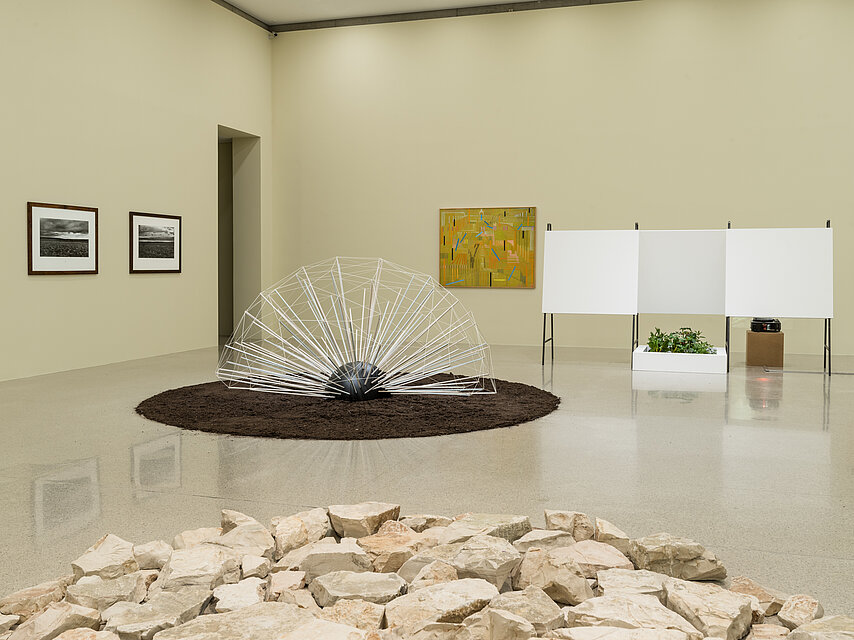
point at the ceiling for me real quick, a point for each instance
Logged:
(273, 12)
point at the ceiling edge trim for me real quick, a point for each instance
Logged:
(243, 14)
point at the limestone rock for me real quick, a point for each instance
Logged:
(830, 628)
(319, 629)
(378, 588)
(488, 557)
(152, 555)
(265, 621)
(284, 580)
(302, 598)
(532, 604)
(100, 594)
(292, 559)
(86, 634)
(578, 524)
(56, 618)
(433, 536)
(232, 519)
(616, 633)
(509, 527)
(326, 558)
(770, 600)
(543, 539)
(609, 534)
(435, 572)
(798, 610)
(627, 582)
(194, 537)
(32, 600)
(392, 545)
(300, 529)
(255, 567)
(713, 610)
(631, 612)
(447, 602)
(422, 521)
(505, 625)
(437, 631)
(7, 622)
(769, 632)
(248, 539)
(231, 597)
(356, 613)
(110, 557)
(360, 520)
(204, 565)
(675, 557)
(555, 573)
(594, 556)
(162, 611)
(442, 553)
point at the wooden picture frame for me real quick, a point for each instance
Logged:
(155, 241)
(62, 239)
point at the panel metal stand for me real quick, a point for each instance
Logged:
(726, 344)
(827, 337)
(551, 337)
(635, 329)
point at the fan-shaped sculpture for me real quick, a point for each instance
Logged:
(357, 328)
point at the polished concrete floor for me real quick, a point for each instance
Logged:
(759, 467)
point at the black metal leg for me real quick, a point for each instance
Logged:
(544, 340)
(552, 331)
(824, 350)
(726, 345)
(829, 349)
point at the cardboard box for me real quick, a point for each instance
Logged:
(765, 349)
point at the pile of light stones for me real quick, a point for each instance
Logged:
(362, 572)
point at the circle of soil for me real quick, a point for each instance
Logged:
(215, 408)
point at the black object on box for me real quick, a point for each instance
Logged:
(765, 325)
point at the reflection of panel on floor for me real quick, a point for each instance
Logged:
(156, 464)
(68, 500)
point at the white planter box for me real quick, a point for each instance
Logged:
(645, 360)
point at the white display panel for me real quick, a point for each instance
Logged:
(682, 272)
(592, 272)
(779, 273)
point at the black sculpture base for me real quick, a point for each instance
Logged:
(356, 381)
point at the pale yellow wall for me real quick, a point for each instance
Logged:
(672, 113)
(115, 104)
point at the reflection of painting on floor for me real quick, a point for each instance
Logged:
(67, 500)
(490, 247)
(156, 465)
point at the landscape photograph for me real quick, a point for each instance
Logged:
(60, 238)
(156, 241)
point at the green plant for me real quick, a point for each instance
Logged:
(686, 340)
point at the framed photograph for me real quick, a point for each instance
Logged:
(155, 243)
(61, 239)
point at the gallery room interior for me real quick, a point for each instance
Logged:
(476, 232)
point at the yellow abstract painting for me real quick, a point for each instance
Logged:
(488, 247)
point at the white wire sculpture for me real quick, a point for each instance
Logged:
(357, 328)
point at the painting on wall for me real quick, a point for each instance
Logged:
(155, 243)
(487, 247)
(61, 239)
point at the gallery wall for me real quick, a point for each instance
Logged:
(677, 115)
(115, 104)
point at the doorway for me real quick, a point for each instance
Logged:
(239, 225)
